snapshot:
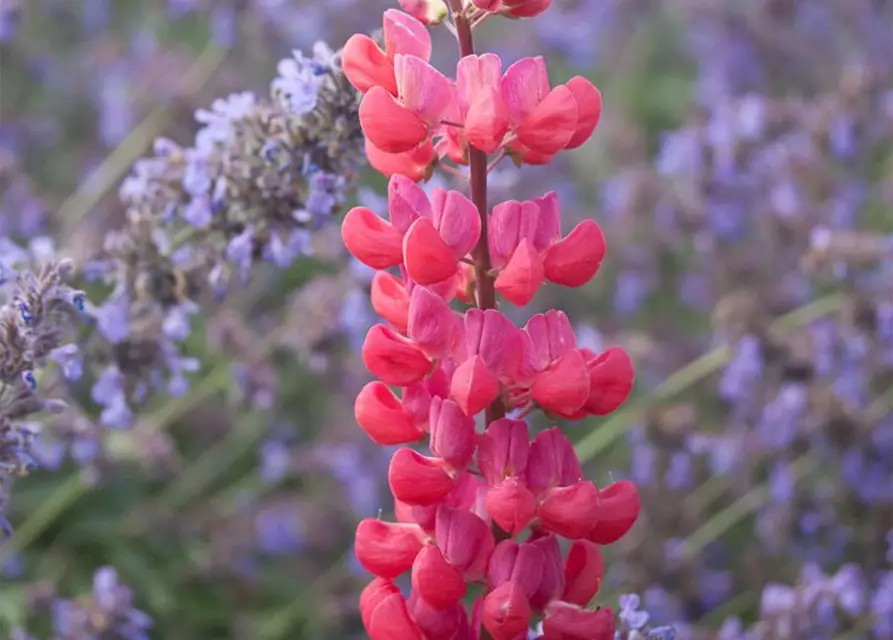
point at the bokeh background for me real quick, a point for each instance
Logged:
(743, 174)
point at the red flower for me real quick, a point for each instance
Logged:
(526, 247)
(402, 123)
(367, 66)
(415, 479)
(619, 508)
(583, 571)
(394, 359)
(384, 613)
(565, 621)
(383, 417)
(386, 549)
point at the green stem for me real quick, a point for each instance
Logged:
(65, 495)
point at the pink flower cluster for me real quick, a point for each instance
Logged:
(479, 519)
(412, 114)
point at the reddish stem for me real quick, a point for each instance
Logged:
(478, 169)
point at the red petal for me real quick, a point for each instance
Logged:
(438, 582)
(367, 66)
(487, 121)
(386, 549)
(611, 380)
(417, 164)
(564, 385)
(433, 325)
(521, 278)
(428, 259)
(564, 621)
(437, 624)
(374, 594)
(393, 359)
(551, 124)
(417, 480)
(390, 299)
(371, 239)
(571, 511)
(383, 417)
(389, 125)
(452, 433)
(575, 259)
(619, 508)
(589, 109)
(391, 620)
(583, 571)
(511, 505)
(473, 386)
(506, 612)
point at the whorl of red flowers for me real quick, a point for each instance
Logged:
(485, 508)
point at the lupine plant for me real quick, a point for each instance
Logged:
(481, 512)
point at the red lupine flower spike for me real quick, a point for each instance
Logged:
(452, 368)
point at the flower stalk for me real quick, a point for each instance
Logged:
(483, 509)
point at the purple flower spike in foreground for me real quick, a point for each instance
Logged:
(38, 311)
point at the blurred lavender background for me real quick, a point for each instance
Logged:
(205, 475)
